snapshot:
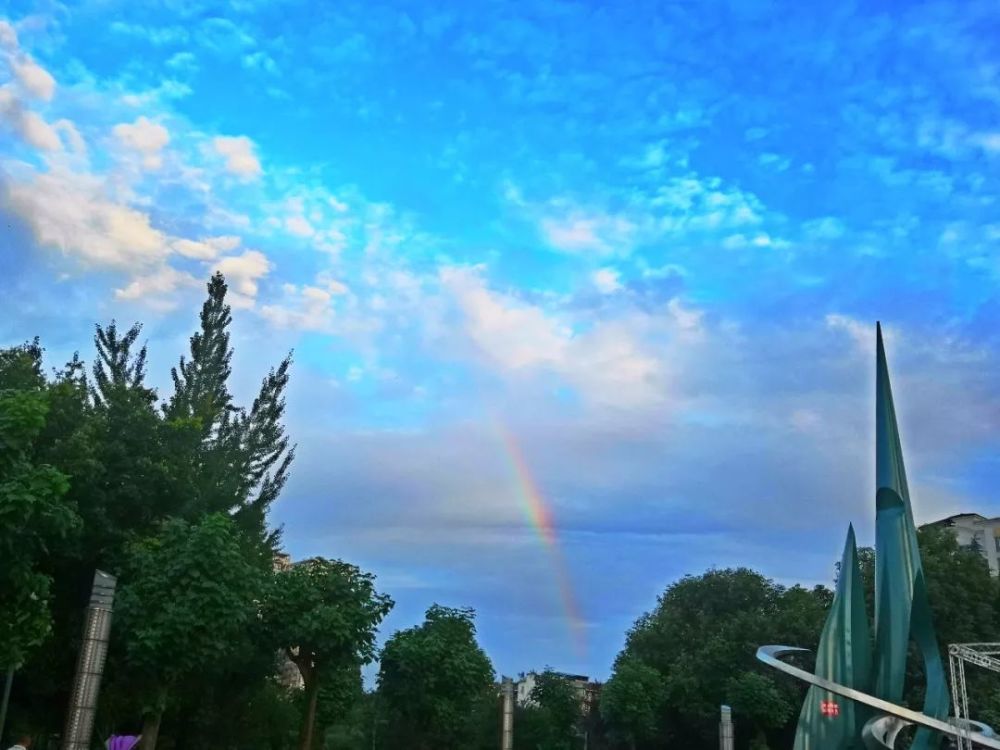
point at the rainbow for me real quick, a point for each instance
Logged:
(540, 517)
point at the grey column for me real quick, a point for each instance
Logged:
(726, 729)
(90, 665)
(507, 734)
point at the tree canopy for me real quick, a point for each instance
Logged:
(434, 680)
(324, 614)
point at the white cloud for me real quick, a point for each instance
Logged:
(156, 35)
(989, 142)
(71, 212)
(37, 132)
(686, 321)
(146, 137)
(260, 60)
(827, 228)
(35, 79)
(299, 226)
(309, 307)
(606, 280)
(694, 203)
(8, 36)
(861, 332)
(596, 232)
(515, 335)
(184, 62)
(168, 89)
(32, 78)
(243, 272)
(206, 249)
(30, 126)
(157, 288)
(76, 142)
(607, 364)
(239, 154)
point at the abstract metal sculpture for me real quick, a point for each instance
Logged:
(845, 664)
(824, 722)
(901, 606)
(770, 655)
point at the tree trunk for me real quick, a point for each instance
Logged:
(151, 730)
(309, 721)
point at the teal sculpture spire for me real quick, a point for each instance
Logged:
(901, 606)
(827, 721)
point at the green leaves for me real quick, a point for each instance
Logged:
(324, 614)
(559, 705)
(432, 680)
(33, 515)
(700, 641)
(632, 700)
(327, 610)
(187, 595)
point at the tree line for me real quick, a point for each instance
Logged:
(171, 494)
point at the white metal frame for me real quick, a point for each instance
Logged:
(986, 655)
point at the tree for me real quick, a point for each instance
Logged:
(433, 680)
(701, 640)
(632, 700)
(201, 383)
(241, 457)
(338, 717)
(133, 463)
(324, 614)
(188, 595)
(560, 708)
(33, 514)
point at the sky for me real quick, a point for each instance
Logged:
(582, 296)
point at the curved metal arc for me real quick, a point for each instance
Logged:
(769, 655)
(880, 732)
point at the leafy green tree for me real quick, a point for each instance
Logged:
(958, 580)
(631, 701)
(252, 442)
(324, 614)
(188, 595)
(434, 680)
(133, 463)
(33, 514)
(338, 715)
(702, 638)
(560, 706)
(758, 700)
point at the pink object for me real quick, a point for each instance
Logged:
(122, 742)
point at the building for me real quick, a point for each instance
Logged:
(972, 529)
(282, 562)
(289, 675)
(587, 690)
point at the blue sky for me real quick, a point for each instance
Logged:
(650, 241)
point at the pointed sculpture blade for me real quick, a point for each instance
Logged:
(901, 606)
(828, 721)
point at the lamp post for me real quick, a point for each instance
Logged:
(6, 699)
(726, 729)
(507, 731)
(90, 665)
